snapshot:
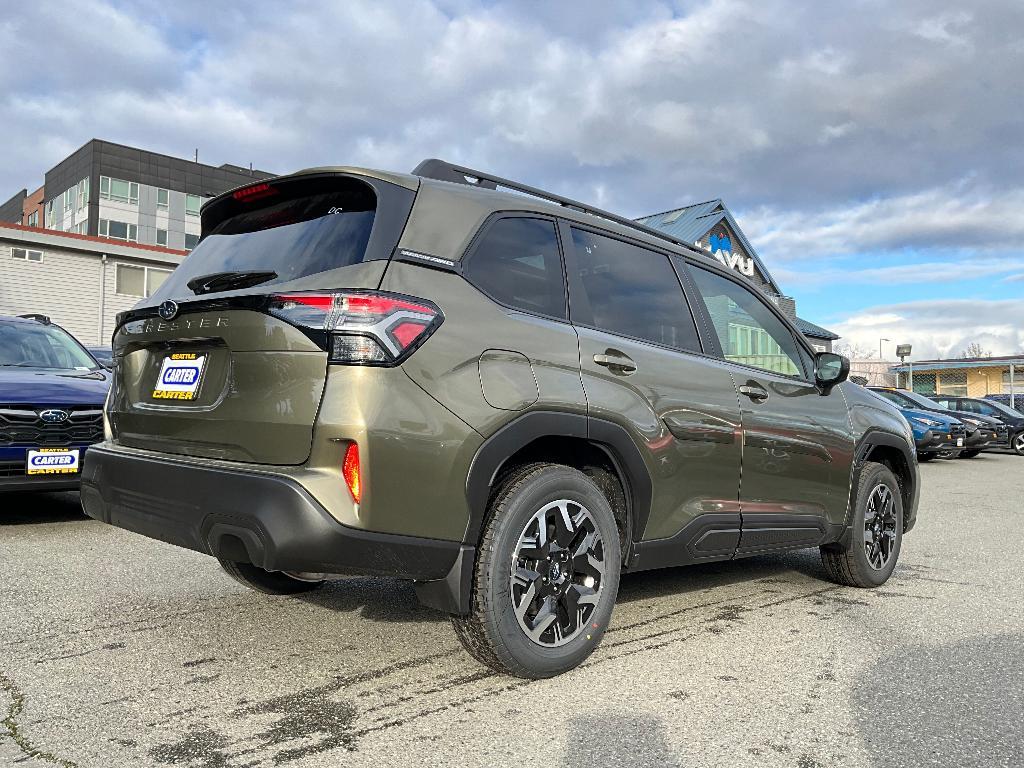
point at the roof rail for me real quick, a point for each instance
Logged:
(443, 171)
(44, 319)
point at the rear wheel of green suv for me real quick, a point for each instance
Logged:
(547, 574)
(271, 582)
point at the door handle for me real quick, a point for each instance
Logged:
(616, 363)
(755, 392)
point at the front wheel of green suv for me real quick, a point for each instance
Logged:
(546, 575)
(869, 556)
(271, 582)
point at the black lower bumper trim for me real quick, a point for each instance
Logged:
(269, 519)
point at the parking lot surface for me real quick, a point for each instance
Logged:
(116, 650)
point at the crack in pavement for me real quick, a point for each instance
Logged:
(10, 724)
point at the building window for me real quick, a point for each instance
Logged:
(138, 281)
(83, 193)
(51, 218)
(192, 204)
(952, 383)
(69, 200)
(163, 198)
(33, 219)
(154, 279)
(24, 254)
(161, 237)
(191, 241)
(119, 190)
(119, 230)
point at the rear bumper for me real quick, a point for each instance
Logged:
(265, 519)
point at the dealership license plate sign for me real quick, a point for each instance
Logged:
(53, 461)
(180, 375)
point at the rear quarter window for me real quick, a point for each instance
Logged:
(517, 263)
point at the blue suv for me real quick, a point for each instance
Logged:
(51, 404)
(934, 433)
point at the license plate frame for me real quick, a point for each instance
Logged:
(36, 461)
(179, 377)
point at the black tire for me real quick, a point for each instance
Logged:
(849, 564)
(925, 456)
(492, 633)
(1017, 443)
(268, 582)
(970, 454)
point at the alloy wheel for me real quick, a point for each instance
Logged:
(557, 573)
(1018, 443)
(880, 527)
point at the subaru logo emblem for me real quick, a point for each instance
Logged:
(53, 416)
(168, 309)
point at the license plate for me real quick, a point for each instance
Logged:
(959, 442)
(180, 376)
(52, 461)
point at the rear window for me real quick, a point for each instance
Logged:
(293, 228)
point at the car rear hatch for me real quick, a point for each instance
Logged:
(214, 364)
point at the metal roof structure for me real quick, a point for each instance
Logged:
(969, 362)
(692, 222)
(807, 328)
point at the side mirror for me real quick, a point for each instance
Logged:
(830, 369)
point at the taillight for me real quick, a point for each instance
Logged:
(350, 471)
(363, 328)
(254, 192)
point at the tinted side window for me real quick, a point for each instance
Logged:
(517, 263)
(630, 291)
(748, 331)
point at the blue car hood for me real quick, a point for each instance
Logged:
(34, 386)
(931, 415)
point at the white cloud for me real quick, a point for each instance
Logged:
(961, 216)
(939, 328)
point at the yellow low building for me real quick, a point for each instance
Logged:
(971, 377)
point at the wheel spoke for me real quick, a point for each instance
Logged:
(546, 616)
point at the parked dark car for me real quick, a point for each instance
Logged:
(1014, 420)
(104, 356)
(51, 404)
(982, 431)
(1016, 401)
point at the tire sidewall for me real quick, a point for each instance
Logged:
(509, 638)
(873, 475)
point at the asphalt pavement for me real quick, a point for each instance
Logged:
(116, 650)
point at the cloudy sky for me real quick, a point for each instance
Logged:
(872, 150)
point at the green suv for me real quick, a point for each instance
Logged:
(506, 397)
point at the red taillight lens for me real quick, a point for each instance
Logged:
(364, 328)
(350, 471)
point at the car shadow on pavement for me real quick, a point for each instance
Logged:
(40, 508)
(393, 601)
(783, 566)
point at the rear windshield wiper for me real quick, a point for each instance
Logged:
(226, 281)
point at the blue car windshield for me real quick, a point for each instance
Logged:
(32, 345)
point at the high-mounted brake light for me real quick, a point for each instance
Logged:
(350, 471)
(254, 192)
(363, 327)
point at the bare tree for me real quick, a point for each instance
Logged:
(854, 351)
(974, 349)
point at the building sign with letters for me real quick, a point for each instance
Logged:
(719, 245)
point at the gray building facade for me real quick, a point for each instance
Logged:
(111, 190)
